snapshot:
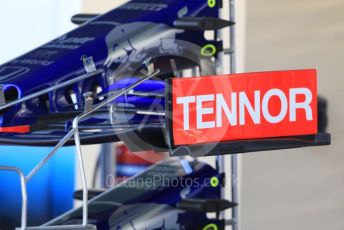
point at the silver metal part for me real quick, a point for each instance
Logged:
(220, 160)
(76, 122)
(88, 101)
(50, 89)
(107, 160)
(88, 64)
(142, 94)
(23, 193)
(149, 65)
(228, 51)
(145, 94)
(112, 113)
(74, 132)
(234, 157)
(2, 96)
(49, 156)
(174, 68)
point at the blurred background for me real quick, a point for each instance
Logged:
(303, 188)
(287, 189)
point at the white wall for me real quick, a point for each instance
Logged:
(303, 188)
(26, 24)
(101, 6)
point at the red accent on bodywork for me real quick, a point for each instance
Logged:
(15, 129)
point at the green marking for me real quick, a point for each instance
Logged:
(210, 227)
(208, 50)
(214, 182)
(211, 3)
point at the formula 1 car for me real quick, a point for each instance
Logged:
(104, 82)
(128, 52)
(173, 194)
(44, 90)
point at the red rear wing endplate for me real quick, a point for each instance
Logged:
(239, 113)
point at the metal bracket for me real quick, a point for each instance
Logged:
(89, 108)
(23, 193)
(88, 64)
(2, 96)
(88, 101)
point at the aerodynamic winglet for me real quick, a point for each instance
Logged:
(202, 23)
(79, 19)
(205, 205)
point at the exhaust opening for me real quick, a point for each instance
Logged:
(10, 93)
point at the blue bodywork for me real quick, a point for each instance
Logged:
(110, 39)
(113, 39)
(149, 200)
